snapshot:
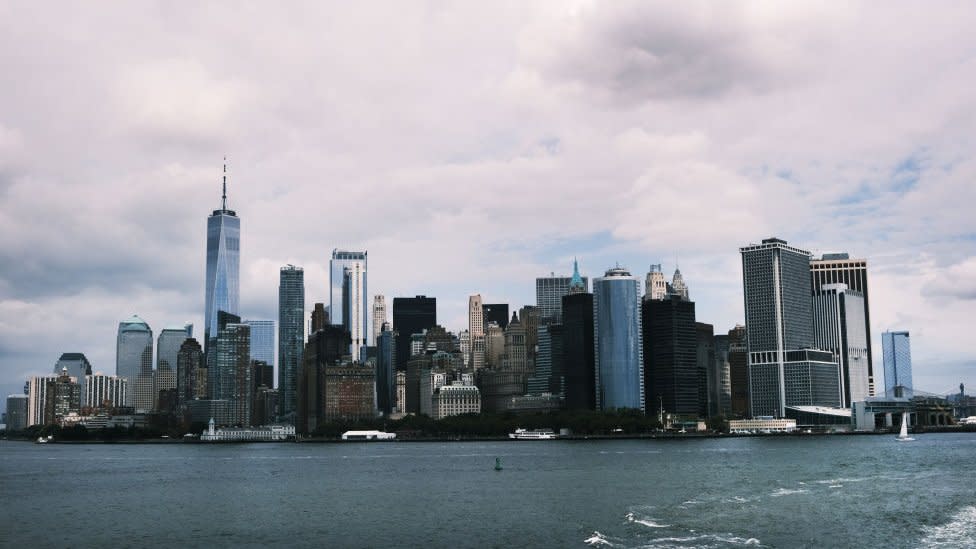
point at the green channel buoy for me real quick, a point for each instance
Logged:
(498, 464)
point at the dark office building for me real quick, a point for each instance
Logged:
(291, 339)
(190, 374)
(705, 346)
(320, 318)
(495, 312)
(411, 315)
(672, 379)
(579, 362)
(386, 370)
(263, 374)
(738, 372)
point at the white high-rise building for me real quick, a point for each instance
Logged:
(476, 329)
(348, 296)
(379, 317)
(838, 327)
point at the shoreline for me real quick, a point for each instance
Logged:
(505, 438)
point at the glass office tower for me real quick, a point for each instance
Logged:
(223, 266)
(618, 346)
(897, 351)
(133, 361)
(291, 335)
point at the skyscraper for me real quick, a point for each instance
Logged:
(579, 362)
(133, 361)
(671, 379)
(838, 327)
(618, 342)
(839, 268)
(379, 317)
(232, 374)
(190, 380)
(549, 292)
(495, 312)
(783, 370)
(347, 284)
(167, 352)
(77, 365)
(262, 340)
(897, 350)
(223, 265)
(291, 336)
(386, 370)
(411, 315)
(16, 412)
(476, 332)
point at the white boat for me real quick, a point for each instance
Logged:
(903, 435)
(368, 435)
(533, 434)
(42, 440)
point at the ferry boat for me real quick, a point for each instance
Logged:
(368, 435)
(532, 434)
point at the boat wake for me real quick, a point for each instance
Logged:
(597, 539)
(787, 491)
(703, 541)
(960, 531)
(645, 522)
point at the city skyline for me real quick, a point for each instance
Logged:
(534, 159)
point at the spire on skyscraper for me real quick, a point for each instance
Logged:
(223, 198)
(576, 284)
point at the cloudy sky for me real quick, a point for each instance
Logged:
(470, 149)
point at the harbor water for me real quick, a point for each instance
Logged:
(814, 491)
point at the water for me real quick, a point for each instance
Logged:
(863, 491)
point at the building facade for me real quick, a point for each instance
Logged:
(411, 315)
(456, 399)
(104, 393)
(291, 336)
(168, 346)
(618, 342)
(839, 268)
(838, 327)
(578, 351)
(134, 361)
(549, 292)
(348, 297)
(223, 265)
(671, 380)
(17, 412)
(379, 317)
(191, 376)
(779, 325)
(386, 370)
(77, 365)
(897, 351)
(476, 332)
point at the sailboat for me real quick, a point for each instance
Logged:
(903, 435)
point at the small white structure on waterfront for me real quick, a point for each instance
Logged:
(761, 425)
(264, 433)
(368, 435)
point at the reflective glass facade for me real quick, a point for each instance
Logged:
(897, 351)
(291, 335)
(133, 361)
(223, 268)
(618, 346)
